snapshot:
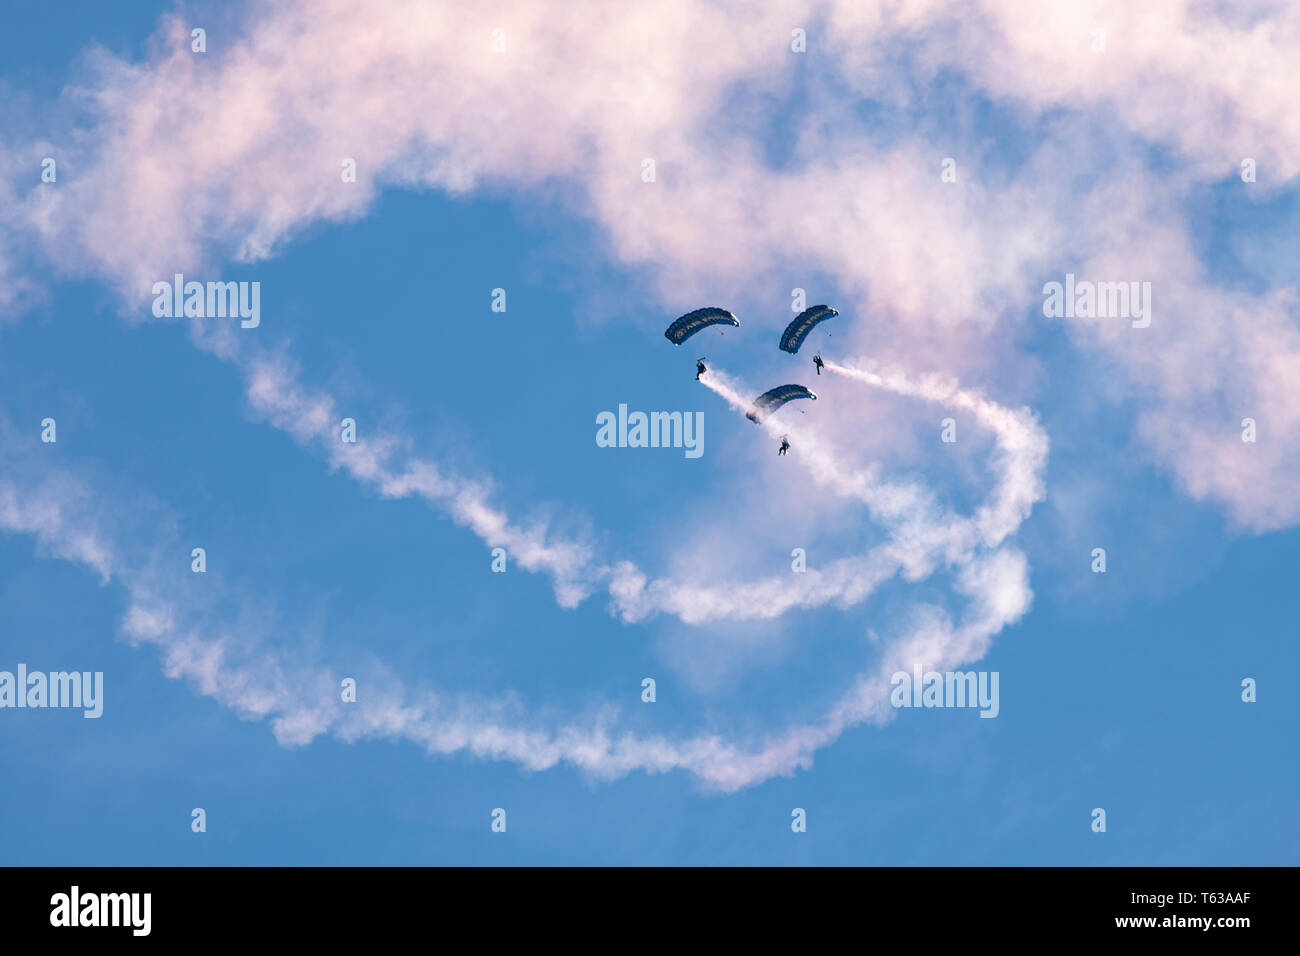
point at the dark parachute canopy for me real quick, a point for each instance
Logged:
(690, 323)
(803, 323)
(774, 398)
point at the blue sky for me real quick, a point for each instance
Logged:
(1119, 691)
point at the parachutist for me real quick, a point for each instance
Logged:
(699, 369)
(785, 446)
(817, 361)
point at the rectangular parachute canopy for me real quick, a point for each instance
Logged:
(771, 400)
(687, 325)
(803, 323)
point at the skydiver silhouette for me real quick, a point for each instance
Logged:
(699, 368)
(817, 361)
(785, 446)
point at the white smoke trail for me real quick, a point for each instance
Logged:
(301, 702)
(1022, 452)
(884, 500)
(230, 663)
(921, 534)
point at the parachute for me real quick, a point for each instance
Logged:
(690, 323)
(774, 398)
(803, 323)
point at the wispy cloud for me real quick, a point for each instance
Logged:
(185, 161)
